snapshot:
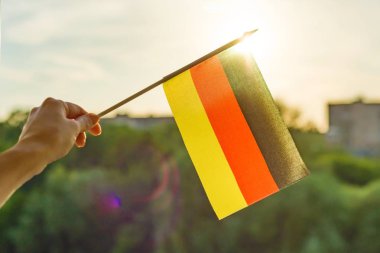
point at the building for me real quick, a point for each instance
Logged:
(138, 122)
(355, 126)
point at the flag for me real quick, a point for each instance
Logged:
(232, 129)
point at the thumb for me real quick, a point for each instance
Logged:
(87, 121)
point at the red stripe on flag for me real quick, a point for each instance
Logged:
(233, 133)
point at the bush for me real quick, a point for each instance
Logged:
(366, 232)
(357, 171)
(80, 211)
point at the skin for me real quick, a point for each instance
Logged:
(49, 133)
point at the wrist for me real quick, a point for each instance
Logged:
(33, 156)
(18, 165)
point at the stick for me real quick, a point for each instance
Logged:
(177, 72)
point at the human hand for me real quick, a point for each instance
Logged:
(53, 128)
(49, 133)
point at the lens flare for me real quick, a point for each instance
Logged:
(110, 202)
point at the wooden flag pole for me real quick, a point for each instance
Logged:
(177, 72)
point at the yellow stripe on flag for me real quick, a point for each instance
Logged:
(203, 146)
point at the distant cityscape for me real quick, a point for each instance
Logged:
(353, 125)
(138, 122)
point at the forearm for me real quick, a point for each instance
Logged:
(49, 133)
(17, 165)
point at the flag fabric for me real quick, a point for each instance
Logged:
(239, 145)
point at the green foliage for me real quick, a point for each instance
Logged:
(135, 190)
(129, 239)
(311, 145)
(11, 129)
(290, 115)
(120, 147)
(296, 218)
(9, 215)
(367, 221)
(357, 171)
(74, 211)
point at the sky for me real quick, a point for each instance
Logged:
(98, 52)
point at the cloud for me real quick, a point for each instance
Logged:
(41, 22)
(99, 52)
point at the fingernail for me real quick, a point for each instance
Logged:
(94, 118)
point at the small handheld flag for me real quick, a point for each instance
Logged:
(239, 145)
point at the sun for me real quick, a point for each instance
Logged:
(259, 44)
(246, 45)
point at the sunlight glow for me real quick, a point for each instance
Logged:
(260, 45)
(245, 46)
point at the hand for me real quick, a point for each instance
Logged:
(49, 133)
(55, 126)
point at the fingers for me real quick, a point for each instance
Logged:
(73, 111)
(95, 130)
(34, 110)
(80, 142)
(86, 122)
(76, 116)
(52, 105)
(70, 110)
(32, 113)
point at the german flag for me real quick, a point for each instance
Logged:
(235, 136)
